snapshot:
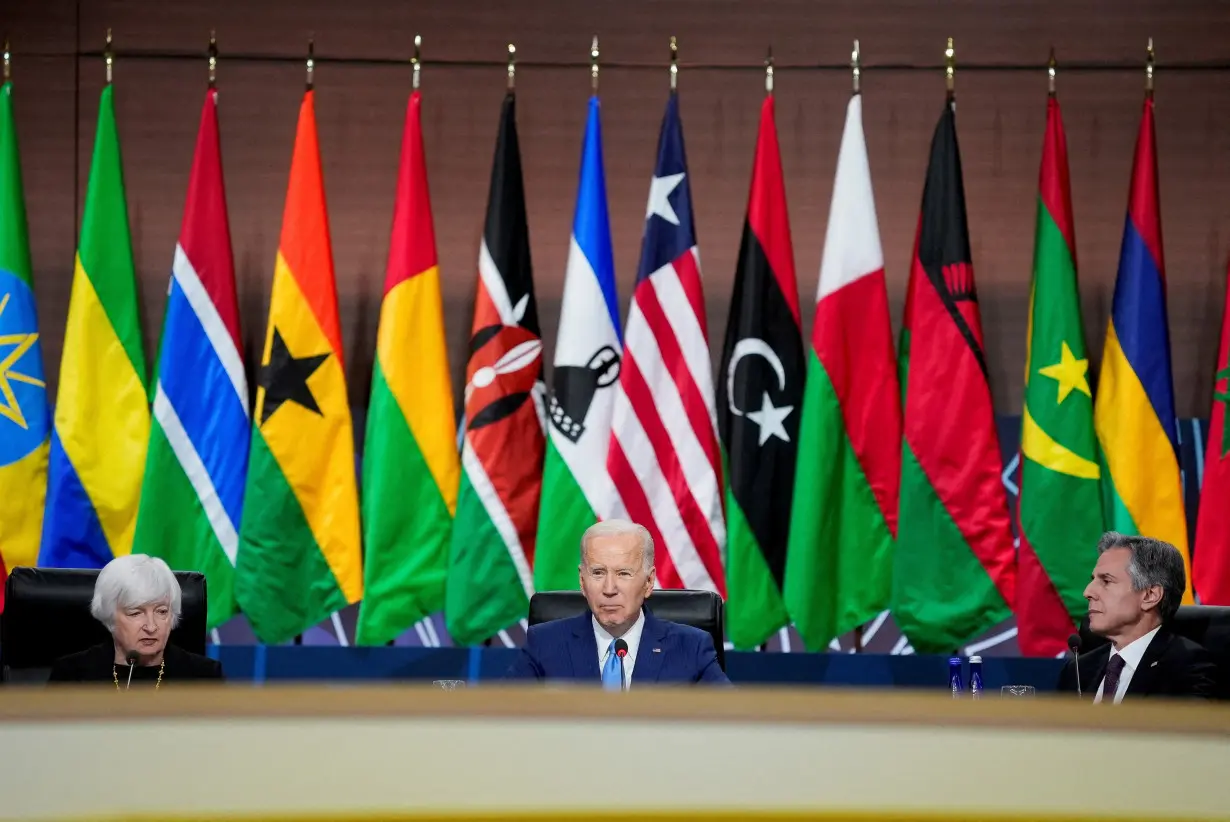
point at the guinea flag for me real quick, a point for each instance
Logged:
(759, 394)
(299, 555)
(410, 468)
(954, 573)
(1060, 496)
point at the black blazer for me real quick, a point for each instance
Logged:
(95, 665)
(1173, 666)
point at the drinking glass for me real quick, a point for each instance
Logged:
(449, 684)
(1017, 691)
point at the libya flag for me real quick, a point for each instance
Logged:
(576, 489)
(299, 556)
(492, 548)
(759, 395)
(954, 573)
(843, 523)
(1060, 497)
(410, 468)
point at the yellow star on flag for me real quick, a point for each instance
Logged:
(1070, 373)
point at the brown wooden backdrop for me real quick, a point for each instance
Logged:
(363, 80)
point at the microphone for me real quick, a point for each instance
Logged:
(132, 657)
(621, 651)
(1074, 645)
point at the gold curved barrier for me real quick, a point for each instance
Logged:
(368, 753)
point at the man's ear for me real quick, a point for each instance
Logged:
(1152, 598)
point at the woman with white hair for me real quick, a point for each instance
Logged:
(139, 600)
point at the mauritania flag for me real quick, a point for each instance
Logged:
(492, 550)
(410, 468)
(954, 571)
(198, 451)
(102, 410)
(299, 554)
(759, 394)
(25, 416)
(1060, 502)
(1134, 413)
(844, 521)
(576, 488)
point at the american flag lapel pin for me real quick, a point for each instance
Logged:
(659, 650)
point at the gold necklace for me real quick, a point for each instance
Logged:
(115, 677)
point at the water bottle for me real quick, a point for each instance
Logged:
(954, 677)
(975, 677)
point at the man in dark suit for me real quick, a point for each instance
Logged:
(1136, 588)
(619, 642)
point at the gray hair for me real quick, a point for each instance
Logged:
(1153, 562)
(131, 582)
(619, 528)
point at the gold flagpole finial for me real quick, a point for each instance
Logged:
(674, 63)
(108, 56)
(416, 63)
(311, 61)
(950, 69)
(768, 71)
(1149, 68)
(1051, 65)
(856, 66)
(213, 59)
(512, 67)
(8, 61)
(593, 64)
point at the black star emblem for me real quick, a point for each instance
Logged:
(285, 378)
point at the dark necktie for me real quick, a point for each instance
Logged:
(1110, 684)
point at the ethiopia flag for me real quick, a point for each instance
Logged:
(299, 555)
(954, 573)
(102, 410)
(411, 469)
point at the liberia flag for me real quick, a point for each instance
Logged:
(664, 458)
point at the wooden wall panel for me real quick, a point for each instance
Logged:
(361, 105)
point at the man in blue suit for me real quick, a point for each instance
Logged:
(619, 642)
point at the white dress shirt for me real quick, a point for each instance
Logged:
(1132, 654)
(632, 637)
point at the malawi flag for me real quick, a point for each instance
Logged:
(843, 525)
(299, 555)
(1134, 415)
(576, 489)
(954, 573)
(102, 410)
(410, 469)
(1060, 500)
(25, 415)
(1211, 559)
(759, 394)
(489, 576)
(192, 496)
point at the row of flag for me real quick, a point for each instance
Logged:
(812, 482)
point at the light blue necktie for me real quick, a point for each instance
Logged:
(613, 670)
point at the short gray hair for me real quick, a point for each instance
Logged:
(131, 582)
(620, 528)
(1153, 562)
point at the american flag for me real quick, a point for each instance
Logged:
(664, 459)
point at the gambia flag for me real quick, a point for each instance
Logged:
(102, 410)
(954, 572)
(576, 488)
(1211, 559)
(492, 551)
(192, 495)
(1060, 497)
(25, 415)
(410, 469)
(844, 521)
(299, 555)
(759, 394)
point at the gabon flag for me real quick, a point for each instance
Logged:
(1211, 559)
(410, 468)
(954, 572)
(299, 552)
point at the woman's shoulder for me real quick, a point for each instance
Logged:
(187, 665)
(91, 664)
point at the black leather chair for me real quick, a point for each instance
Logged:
(47, 615)
(700, 609)
(1207, 625)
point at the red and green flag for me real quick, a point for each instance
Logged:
(1211, 559)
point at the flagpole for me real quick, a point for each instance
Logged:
(1149, 70)
(416, 64)
(8, 61)
(311, 60)
(768, 72)
(1051, 66)
(593, 65)
(213, 60)
(108, 56)
(856, 66)
(512, 68)
(674, 65)
(950, 71)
